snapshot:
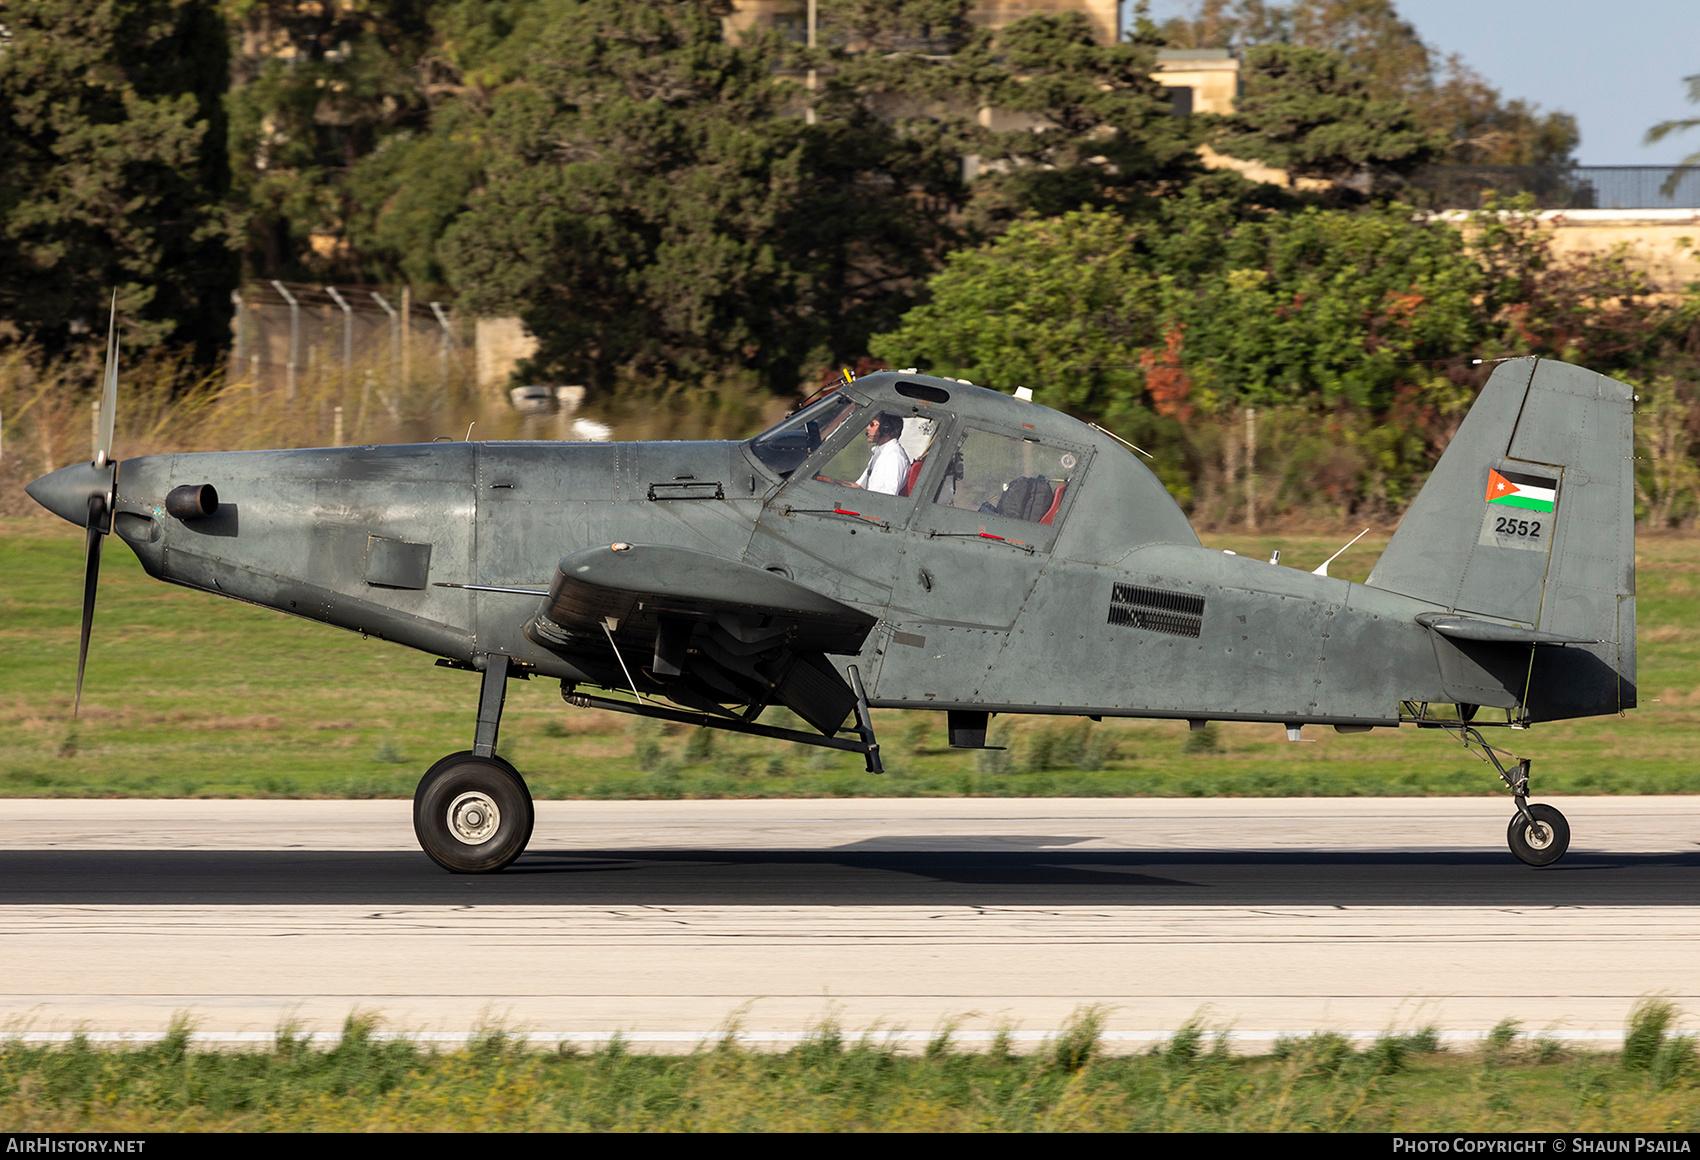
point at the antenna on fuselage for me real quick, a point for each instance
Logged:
(1122, 441)
(1322, 568)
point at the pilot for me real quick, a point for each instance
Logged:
(888, 467)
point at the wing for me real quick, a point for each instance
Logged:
(702, 630)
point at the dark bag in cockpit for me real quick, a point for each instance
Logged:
(1027, 498)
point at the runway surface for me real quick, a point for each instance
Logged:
(661, 920)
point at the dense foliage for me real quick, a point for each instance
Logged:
(649, 205)
(654, 202)
(112, 170)
(1357, 332)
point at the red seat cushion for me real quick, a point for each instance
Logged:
(914, 474)
(1056, 502)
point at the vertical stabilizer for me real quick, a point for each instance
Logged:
(1530, 517)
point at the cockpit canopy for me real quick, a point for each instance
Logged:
(977, 453)
(785, 446)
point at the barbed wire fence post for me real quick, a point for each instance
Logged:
(406, 340)
(395, 355)
(241, 326)
(347, 336)
(294, 335)
(443, 347)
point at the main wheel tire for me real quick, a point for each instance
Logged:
(1543, 843)
(472, 814)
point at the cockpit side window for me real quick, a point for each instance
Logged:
(1016, 478)
(785, 447)
(890, 457)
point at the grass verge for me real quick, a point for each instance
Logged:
(1320, 1082)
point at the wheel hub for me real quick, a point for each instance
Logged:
(474, 818)
(1539, 836)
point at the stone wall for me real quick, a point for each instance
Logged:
(1660, 241)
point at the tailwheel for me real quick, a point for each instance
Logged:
(472, 814)
(1539, 839)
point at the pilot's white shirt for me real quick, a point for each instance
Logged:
(888, 469)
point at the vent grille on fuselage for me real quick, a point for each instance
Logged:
(1176, 613)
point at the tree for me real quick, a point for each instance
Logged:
(1043, 118)
(112, 173)
(318, 87)
(1599, 309)
(1665, 128)
(1317, 307)
(1063, 305)
(1475, 124)
(1478, 126)
(654, 203)
(900, 26)
(1382, 46)
(1304, 110)
(398, 201)
(1091, 126)
(1328, 307)
(1349, 331)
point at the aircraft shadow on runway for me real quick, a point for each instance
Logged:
(853, 875)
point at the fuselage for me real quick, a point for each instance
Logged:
(1113, 607)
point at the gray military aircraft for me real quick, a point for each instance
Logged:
(985, 555)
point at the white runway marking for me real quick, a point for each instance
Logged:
(1616, 824)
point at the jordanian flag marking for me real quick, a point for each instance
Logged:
(1513, 489)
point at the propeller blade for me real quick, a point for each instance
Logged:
(91, 579)
(109, 390)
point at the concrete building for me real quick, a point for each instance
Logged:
(1200, 80)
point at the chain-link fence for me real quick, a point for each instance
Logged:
(285, 334)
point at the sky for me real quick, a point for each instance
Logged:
(1616, 66)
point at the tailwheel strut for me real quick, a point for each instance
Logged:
(1538, 834)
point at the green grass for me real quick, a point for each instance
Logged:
(831, 1082)
(191, 695)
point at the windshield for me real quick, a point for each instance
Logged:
(784, 447)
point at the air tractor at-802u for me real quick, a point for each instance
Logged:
(912, 542)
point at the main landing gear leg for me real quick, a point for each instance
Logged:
(472, 811)
(865, 723)
(1538, 834)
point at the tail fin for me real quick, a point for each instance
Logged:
(1530, 517)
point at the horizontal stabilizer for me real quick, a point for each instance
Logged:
(1468, 628)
